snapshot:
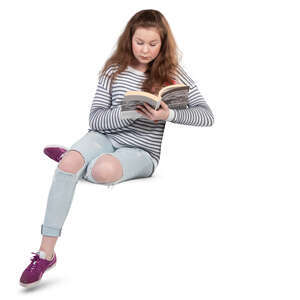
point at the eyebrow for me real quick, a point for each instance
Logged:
(150, 41)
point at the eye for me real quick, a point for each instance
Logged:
(140, 43)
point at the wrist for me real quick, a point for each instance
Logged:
(171, 115)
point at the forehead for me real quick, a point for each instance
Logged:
(147, 34)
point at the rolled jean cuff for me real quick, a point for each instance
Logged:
(50, 231)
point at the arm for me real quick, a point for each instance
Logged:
(103, 116)
(197, 113)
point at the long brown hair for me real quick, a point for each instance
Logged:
(163, 68)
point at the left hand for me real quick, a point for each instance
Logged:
(155, 115)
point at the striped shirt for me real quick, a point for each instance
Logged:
(141, 133)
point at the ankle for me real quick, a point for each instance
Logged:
(49, 254)
(50, 257)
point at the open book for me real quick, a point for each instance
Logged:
(175, 96)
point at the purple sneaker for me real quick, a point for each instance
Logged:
(32, 275)
(55, 152)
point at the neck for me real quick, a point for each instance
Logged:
(140, 67)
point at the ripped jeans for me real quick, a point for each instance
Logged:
(136, 163)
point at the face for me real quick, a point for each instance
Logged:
(146, 45)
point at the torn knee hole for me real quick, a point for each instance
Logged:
(72, 162)
(103, 174)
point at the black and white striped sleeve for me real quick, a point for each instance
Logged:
(102, 115)
(198, 113)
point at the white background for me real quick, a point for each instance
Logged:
(220, 217)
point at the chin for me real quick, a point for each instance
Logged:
(144, 61)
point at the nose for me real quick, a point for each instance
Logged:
(145, 49)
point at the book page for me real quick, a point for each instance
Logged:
(169, 87)
(130, 102)
(176, 98)
(141, 93)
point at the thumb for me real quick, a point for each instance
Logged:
(163, 104)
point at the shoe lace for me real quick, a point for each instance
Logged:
(35, 263)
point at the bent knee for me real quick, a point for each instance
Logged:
(71, 162)
(107, 169)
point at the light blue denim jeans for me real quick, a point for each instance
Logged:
(136, 163)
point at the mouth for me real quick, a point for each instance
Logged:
(142, 57)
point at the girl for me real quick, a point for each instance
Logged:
(115, 150)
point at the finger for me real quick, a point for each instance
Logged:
(148, 112)
(164, 105)
(145, 112)
(139, 107)
(150, 109)
(140, 110)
